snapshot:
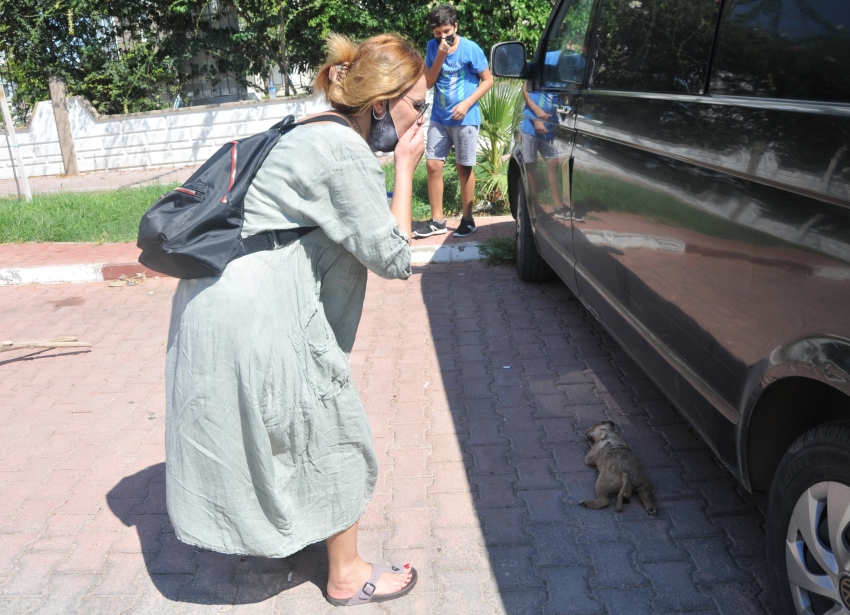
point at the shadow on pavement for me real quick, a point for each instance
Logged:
(183, 573)
(526, 370)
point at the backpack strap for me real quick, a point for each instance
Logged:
(326, 117)
(270, 240)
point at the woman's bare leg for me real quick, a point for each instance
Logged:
(348, 572)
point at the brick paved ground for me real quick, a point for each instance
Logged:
(478, 387)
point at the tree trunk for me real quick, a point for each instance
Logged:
(284, 64)
(58, 96)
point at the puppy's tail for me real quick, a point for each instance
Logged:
(625, 491)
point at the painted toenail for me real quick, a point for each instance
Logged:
(406, 566)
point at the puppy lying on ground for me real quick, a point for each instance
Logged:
(620, 471)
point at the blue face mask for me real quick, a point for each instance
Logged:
(383, 136)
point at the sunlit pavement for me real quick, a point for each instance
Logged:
(479, 388)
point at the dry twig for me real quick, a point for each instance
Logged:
(56, 342)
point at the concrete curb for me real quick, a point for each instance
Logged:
(98, 272)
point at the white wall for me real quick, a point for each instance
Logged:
(169, 138)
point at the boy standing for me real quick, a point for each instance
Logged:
(459, 73)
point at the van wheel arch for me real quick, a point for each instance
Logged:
(787, 409)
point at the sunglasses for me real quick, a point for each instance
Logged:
(420, 106)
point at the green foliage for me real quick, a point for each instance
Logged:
(501, 110)
(485, 22)
(78, 216)
(421, 203)
(498, 250)
(135, 56)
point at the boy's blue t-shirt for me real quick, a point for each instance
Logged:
(457, 81)
(548, 102)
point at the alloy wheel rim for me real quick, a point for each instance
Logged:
(817, 550)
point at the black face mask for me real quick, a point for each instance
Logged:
(450, 40)
(383, 136)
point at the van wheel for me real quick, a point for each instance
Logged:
(529, 264)
(808, 524)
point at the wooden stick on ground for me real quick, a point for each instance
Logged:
(56, 342)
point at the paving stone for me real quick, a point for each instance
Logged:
(668, 483)
(653, 541)
(512, 569)
(522, 602)
(722, 497)
(713, 561)
(553, 407)
(568, 592)
(701, 465)
(569, 456)
(560, 430)
(495, 492)
(463, 592)
(460, 550)
(746, 533)
(735, 598)
(598, 526)
(613, 565)
(689, 519)
(634, 601)
(534, 474)
(526, 444)
(545, 506)
(521, 418)
(503, 526)
(675, 589)
(490, 460)
(485, 432)
(556, 545)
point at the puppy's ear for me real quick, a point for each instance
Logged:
(613, 426)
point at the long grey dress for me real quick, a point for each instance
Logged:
(268, 448)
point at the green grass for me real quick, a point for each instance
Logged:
(498, 250)
(78, 216)
(114, 215)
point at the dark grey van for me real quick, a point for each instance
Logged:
(685, 170)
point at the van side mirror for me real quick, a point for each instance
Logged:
(508, 60)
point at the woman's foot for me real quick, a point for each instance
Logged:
(344, 584)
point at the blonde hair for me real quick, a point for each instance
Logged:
(380, 68)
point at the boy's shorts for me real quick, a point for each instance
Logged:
(441, 138)
(531, 145)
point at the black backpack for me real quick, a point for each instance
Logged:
(195, 230)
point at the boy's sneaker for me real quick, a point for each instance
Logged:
(467, 227)
(432, 227)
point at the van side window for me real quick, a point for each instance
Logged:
(796, 49)
(654, 45)
(565, 59)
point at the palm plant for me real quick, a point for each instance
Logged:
(501, 110)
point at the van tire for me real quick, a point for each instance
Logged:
(529, 264)
(819, 457)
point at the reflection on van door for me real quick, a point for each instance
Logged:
(547, 131)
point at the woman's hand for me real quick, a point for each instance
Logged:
(409, 150)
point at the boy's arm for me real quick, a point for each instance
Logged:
(462, 108)
(537, 111)
(433, 72)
